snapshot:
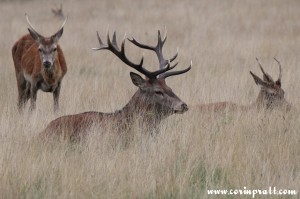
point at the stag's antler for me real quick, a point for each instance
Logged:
(31, 26)
(280, 74)
(33, 29)
(266, 76)
(164, 64)
(158, 50)
(168, 74)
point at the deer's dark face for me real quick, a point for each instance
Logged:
(47, 51)
(47, 47)
(157, 96)
(273, 95)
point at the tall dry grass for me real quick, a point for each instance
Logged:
(193, 152)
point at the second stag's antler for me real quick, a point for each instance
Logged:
(164, 65)
(267, 77)
(280, 74)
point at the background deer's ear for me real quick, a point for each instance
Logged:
(266, 86)
(257, 80)
(37, 37)
(57, 35)
(138, 80)
(267, 77)
(260, 82)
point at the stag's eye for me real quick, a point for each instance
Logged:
(54, 49)
(40, 50)
(159, 93)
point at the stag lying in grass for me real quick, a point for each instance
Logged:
(271, 96)
(153, 101)
(39, 64)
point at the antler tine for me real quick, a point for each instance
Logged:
(157, 49)
(165, 36)
(58, 11)
(123, 45)
(280, 74)
(114, 41)
(66, 18)
(266, 76)
(261, 68)
(168, 74)
(161, 42)
(171, 67)
(31, 26)
(102, 45)
(175, 56)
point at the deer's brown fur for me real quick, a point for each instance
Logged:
(30, 66)
(270, 96)
(153, 101)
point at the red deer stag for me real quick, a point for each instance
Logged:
(270, 96)
(153, 101)
(39, 64)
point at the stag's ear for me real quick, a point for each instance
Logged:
(57, 35)
(267, 86)
(37, 37)
(278, 82)
(138, 80)
(259, 81)
(268, 78)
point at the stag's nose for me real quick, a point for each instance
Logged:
(47, 64)
(184, 107)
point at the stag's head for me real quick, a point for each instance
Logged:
(47, 46)
(153, 93)
(271, 94)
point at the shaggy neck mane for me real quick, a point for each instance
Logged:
(139, 109)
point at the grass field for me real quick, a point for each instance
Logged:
(193, 152)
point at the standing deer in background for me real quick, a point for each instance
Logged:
(153, 101)
(58, 12)
(270, 96)
(39, 64)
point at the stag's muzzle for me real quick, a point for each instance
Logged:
(47, 64)
(183, 107)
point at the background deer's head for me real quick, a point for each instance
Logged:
(47, 46)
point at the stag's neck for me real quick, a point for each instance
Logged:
(52, 76)
(260, 101)
(50, 73)
(137, 109)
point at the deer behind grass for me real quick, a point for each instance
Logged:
(58, 12)
(153, 101)
(271, 96)
(39, 64)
